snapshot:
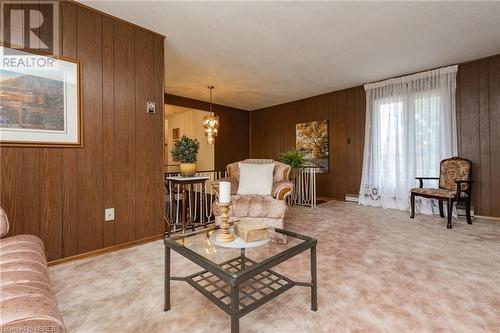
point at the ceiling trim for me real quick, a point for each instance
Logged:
(192, 103)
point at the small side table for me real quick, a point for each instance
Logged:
(184, 183)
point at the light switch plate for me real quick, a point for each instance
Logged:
(151, 107)
(109, 214)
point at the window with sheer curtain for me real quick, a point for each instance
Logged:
(410, 128)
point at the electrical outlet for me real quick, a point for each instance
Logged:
(109, 214)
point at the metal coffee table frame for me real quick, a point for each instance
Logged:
(241, 280)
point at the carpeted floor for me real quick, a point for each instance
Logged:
(377, 272)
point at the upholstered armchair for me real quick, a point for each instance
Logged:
(455, 185)
(269, 209)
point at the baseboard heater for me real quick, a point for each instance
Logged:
(352, 198)
(461, 211)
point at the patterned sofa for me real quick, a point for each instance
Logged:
(269, 209)
(26, 299)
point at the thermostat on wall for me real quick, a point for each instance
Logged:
(151, 107)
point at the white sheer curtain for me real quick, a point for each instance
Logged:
(410, 128)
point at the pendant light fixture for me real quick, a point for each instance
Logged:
(211, 122)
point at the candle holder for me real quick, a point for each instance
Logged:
(224, 234)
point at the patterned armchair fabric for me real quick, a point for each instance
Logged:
(453, 169)
(282, 189)
(438, 192)
(234, 185)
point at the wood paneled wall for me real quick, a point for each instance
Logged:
(273, 131)
(60, 194)
(233, 142)
(478, 120)
(478, 117)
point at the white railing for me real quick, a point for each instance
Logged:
(304, 187)
(173, 199)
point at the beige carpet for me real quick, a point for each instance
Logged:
(377, 272)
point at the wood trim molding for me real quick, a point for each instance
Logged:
(197, 104)
(108, 249)
(489, 218)
(111, 16)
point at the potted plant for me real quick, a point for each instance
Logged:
(186, 151)
(293, 158)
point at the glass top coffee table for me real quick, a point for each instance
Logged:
(239, 280)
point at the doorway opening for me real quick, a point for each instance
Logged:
(181, 121)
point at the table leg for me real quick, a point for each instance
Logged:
(167, 230)
(314, 280)
(166, 306)
(243, 259)
(235, 309)
(202, 202)
(184, 207)
(192, 207)
(166, 212)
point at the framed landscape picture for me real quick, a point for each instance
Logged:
(39, 100)
(312, 140)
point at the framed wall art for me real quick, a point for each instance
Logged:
(312, 140)
(40, 99)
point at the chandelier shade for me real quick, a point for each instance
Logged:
(211, 122)
(211, 126)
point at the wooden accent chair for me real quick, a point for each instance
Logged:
(454, 185)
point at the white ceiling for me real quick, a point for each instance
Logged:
(259, 54)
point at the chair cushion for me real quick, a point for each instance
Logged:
(438, 192)
(254, 206)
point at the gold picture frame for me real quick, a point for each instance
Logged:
(45, 117)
